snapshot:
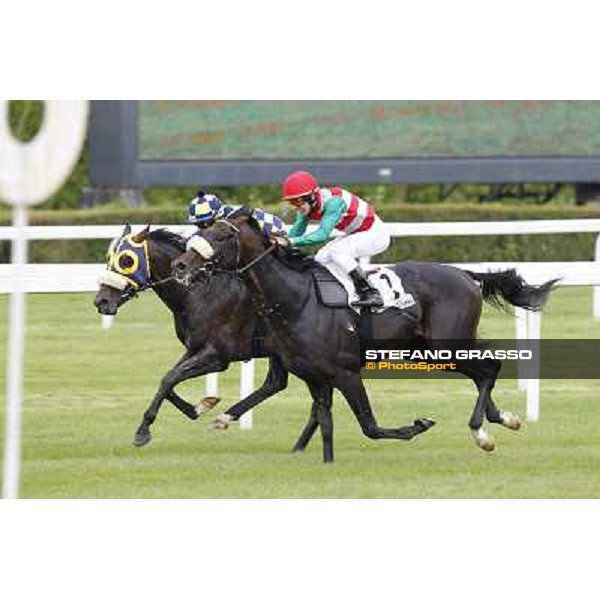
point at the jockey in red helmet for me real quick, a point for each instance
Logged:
(336, 208)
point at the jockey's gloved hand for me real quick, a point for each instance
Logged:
(280, 240)
(294, 251)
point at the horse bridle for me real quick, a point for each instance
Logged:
(211, 267)
(259, 300)
(131, 290)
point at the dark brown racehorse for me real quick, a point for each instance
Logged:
(321, 345)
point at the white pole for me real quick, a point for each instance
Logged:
(212, 384)
(596, 293)
(533, 385)
(107, 321)
(246, 388)
(521, 333)
(15, 359)
(29, 174)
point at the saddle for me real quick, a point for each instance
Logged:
(330, 291)
(333, 293)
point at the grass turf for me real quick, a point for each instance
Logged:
(86, 389)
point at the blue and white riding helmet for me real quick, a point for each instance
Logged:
(203, 208)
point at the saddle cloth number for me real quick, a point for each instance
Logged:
(390, 287)
(337, 293)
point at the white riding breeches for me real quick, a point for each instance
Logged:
(341, 254)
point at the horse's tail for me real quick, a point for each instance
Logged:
(507, 286)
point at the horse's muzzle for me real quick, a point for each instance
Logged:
(105, 307)
(182, 273)
(108, 300)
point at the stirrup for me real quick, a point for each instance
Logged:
(372, 300)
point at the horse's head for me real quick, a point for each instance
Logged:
(228, 245)
(127, 271)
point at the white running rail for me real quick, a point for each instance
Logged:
(83, 277)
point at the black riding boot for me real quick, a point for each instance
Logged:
(368, 295)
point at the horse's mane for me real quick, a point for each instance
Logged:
(297, 260)
(164, 235)
(291, 257)
(243, 211)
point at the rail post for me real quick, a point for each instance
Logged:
(596, 296)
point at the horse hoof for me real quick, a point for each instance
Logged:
(483, 439)
(141, 439)
(207, 403)
(222, 421)
(424, 423)
(510, 420)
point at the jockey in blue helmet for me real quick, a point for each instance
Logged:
(206, 208)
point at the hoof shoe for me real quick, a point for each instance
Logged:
(511, 420)
(141, 439)
(483, 439)
(207, 403)
(222, 421)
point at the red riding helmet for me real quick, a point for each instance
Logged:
(299, 184)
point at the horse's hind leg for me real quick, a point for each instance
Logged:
(275, 381)
(352, 388)
(493, 414)
(460, 323)
(484, 374)
(508, 419)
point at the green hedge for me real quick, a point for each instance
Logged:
(447, 249)
(490, 248)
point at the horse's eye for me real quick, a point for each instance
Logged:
(125, 261)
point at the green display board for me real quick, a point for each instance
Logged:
(297, 130)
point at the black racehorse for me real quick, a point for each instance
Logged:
(215, 320)
(322, 346)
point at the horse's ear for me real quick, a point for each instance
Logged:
(126, 230)
(138, 238)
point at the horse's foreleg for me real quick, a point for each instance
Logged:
(322, 401)
(354, 391)
(275, 381)
(187, 367)
(313, 421)
(326, 423)
(189, 410)
(308, 431)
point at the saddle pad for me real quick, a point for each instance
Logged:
(329, 290)
(391, 289)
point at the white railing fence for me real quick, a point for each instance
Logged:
(83, 277)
